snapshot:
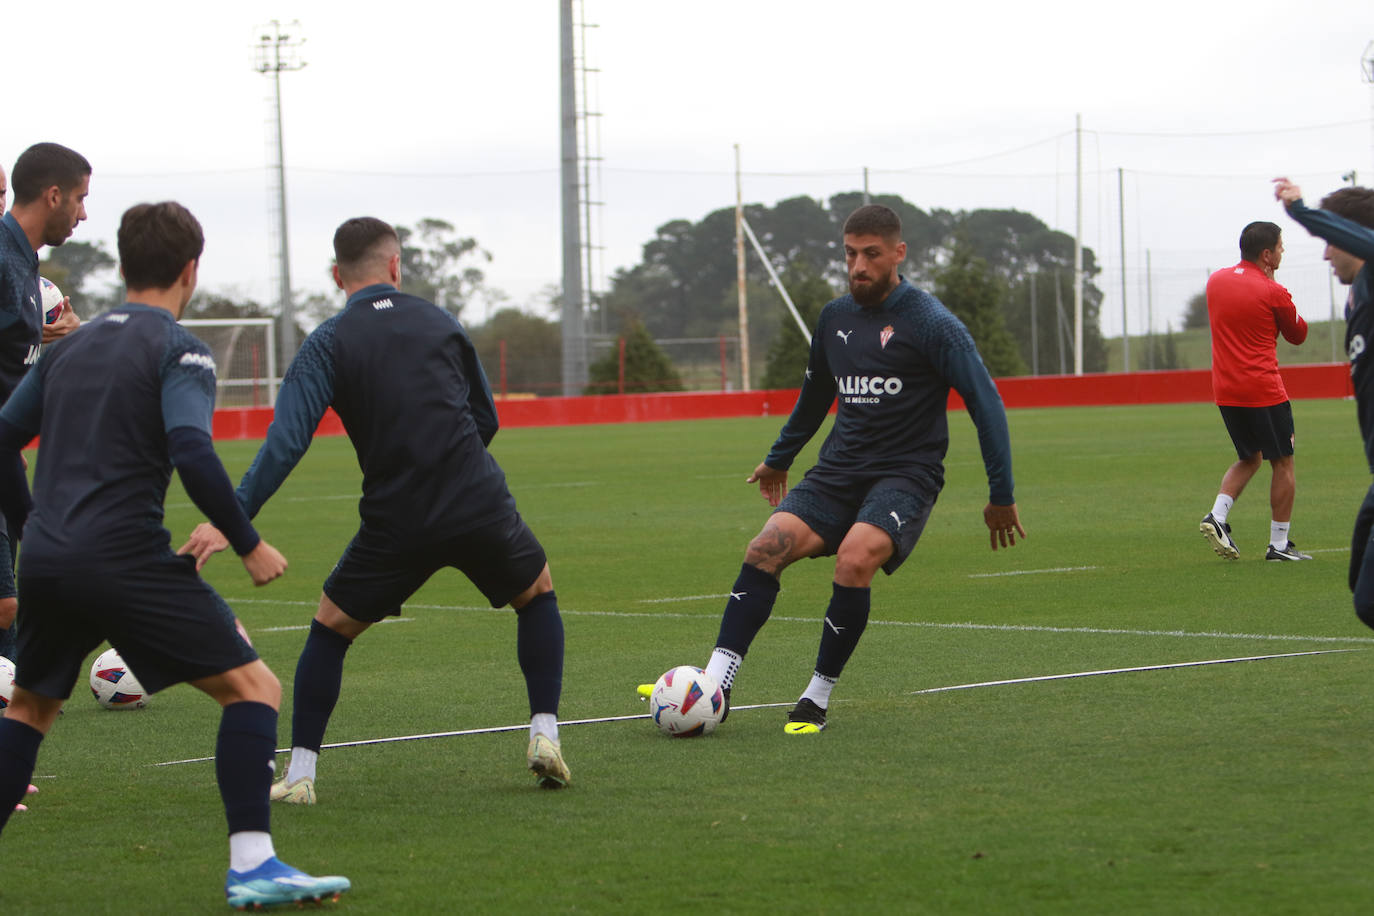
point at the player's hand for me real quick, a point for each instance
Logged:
(1004, 523)
(264, 563)
(1286, 191)
(64, 325)
(205, 542)
(772, 483)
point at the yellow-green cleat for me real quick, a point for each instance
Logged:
(645, 691)
(546, 763)
(300, 792)
(806, 718)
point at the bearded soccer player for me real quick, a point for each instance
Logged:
(1345, 221)
(118, 406)
(1247, 311)
(891, 353)
(404, 378)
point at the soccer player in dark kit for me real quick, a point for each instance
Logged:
(891, 353)
(118, 405)
(1345, 221)
(405, 380)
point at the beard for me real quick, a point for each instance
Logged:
(870, 292)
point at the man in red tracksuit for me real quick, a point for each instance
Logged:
(1247, 311)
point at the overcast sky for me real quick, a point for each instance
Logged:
(407, 110)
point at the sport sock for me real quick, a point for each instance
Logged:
(18, 756)
(546, 724)
(245, 756)
(302, 766)
(723, 666)
(319, 676)
(539, 649)
(1278, 534)
(249, 848)
(1222, 507)
(818, 691)
(747, 610)
(845, 620)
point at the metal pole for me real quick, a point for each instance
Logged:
(574, 334)
(739, 277)
(1149, 308)
(1078, 248)
(1035, 333)
(867, 199)
(1121, 212)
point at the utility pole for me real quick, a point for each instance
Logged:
(739, 278)
(1078, 248)
(574, 332)
(276, 52)
(1121, 212)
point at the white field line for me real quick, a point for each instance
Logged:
(1030, 572)
(496, 729)
(918, 624)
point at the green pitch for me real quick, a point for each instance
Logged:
(1234, 788)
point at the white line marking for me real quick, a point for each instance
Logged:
(1060, 677)
(307, 626)
(1329, 550)
(683, 598)
(1030, 572)
(497, 729)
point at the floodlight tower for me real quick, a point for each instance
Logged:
(277, 52)
(1367, 70)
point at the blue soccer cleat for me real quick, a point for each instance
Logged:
(274, 882)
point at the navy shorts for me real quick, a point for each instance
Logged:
(1267, 430)
(376, 574)
(7, 554)
(167, 623)
(831, 505)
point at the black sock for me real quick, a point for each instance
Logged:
(319, 676)
(244, 754)
(844, 623)
(18, 756)
(539, 648)
(751, 601)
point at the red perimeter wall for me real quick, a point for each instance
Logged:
(1328, 380)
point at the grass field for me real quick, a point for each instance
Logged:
(1228, 788)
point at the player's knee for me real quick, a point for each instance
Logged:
(9, 608)
(855, 567)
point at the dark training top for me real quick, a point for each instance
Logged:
(1358, 240)
(892, 367)
(110, 403)
(21, 305)
(405, 380)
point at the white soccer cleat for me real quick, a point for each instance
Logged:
(300, 792)
(546, 763)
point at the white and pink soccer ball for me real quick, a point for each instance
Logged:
(6, 682)
(114, 685)
(686, 703)
(52, 300)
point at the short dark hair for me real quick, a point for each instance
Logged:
(874, 219)
(1257, 238)
(43, 165)
(155, 243)
(356, 240)
(1353, 203)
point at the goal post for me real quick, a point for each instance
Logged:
(245, 351)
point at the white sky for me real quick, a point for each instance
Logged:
(408, 110)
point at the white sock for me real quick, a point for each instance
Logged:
(249, 848)
(302, 764)
(818, 691)
(1278, 534)
(546, 724)
(723, 666)
(1222, 507)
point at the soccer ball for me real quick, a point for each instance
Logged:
(52, 300)
(686, 703)
(114, 685)
(6, 682)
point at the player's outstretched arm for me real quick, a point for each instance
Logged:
(1004, 523)
(264, 563)
(205, 542)
(772, 483)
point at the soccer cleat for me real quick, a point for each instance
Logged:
(300, 792)
(1219, 534)
(274, 882)
(1290, 551)
(645, 691)
(806, 718)
(546, 763)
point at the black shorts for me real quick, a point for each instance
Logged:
(7, 556)
(1267, 430)
(831, 505)
(376, 574)
(167, 623)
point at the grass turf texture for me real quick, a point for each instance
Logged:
(1229, 788)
